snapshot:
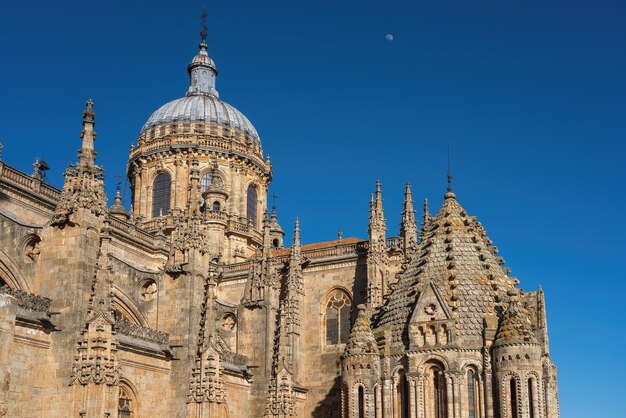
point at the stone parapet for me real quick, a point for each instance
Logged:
(142, 333)
(27, 301)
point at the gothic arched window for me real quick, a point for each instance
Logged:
(251, 214)
(125, 403)
(209, 178)
(217, 206)
(161, 190)
(338, 318)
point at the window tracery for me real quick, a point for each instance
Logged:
(125, 403)
(337, 312)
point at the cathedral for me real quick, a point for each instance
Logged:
(187, 304)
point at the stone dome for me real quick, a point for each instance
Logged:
(202, 102)
(201, 108)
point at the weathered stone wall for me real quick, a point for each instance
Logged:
(33, 380)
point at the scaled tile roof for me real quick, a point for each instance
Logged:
(456, 255)
(516, 326)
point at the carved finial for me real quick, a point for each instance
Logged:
(378, 198)
(88, 135)
(408, 226)
(296, 233)
(89, 114)
(274, 197)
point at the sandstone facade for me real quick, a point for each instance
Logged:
(189, 306)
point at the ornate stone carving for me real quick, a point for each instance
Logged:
(149, 290)
(84, 181)
(281, 396)
(142, 333)
(95, 361)
(26, 300)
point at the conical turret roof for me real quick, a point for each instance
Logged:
(515, 327)
(361, 340)
(455, 255)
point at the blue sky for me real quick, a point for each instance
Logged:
(531, 96)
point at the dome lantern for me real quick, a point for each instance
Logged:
(202, 70)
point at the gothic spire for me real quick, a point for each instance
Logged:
(86, 155)
(294, 277)
(83, 186)
(377, 259)
(408, 226)
(377, 226)
(296, 238)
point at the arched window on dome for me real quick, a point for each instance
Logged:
(337, 314)
(161, 190)
(207, 179)
(251, 210)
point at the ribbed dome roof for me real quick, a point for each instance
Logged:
(202, 103)
(201, 108)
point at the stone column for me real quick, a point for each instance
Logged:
(548, 397)
(388, 399)
(379, 402)
(419, 396)
(536, 397)
(457, 395)
(394, 397)
(488, 391)
(8, 309)
(411, 394)
(178, 200)
(137, 185)
(449, 395)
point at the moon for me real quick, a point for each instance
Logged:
(389, 37)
